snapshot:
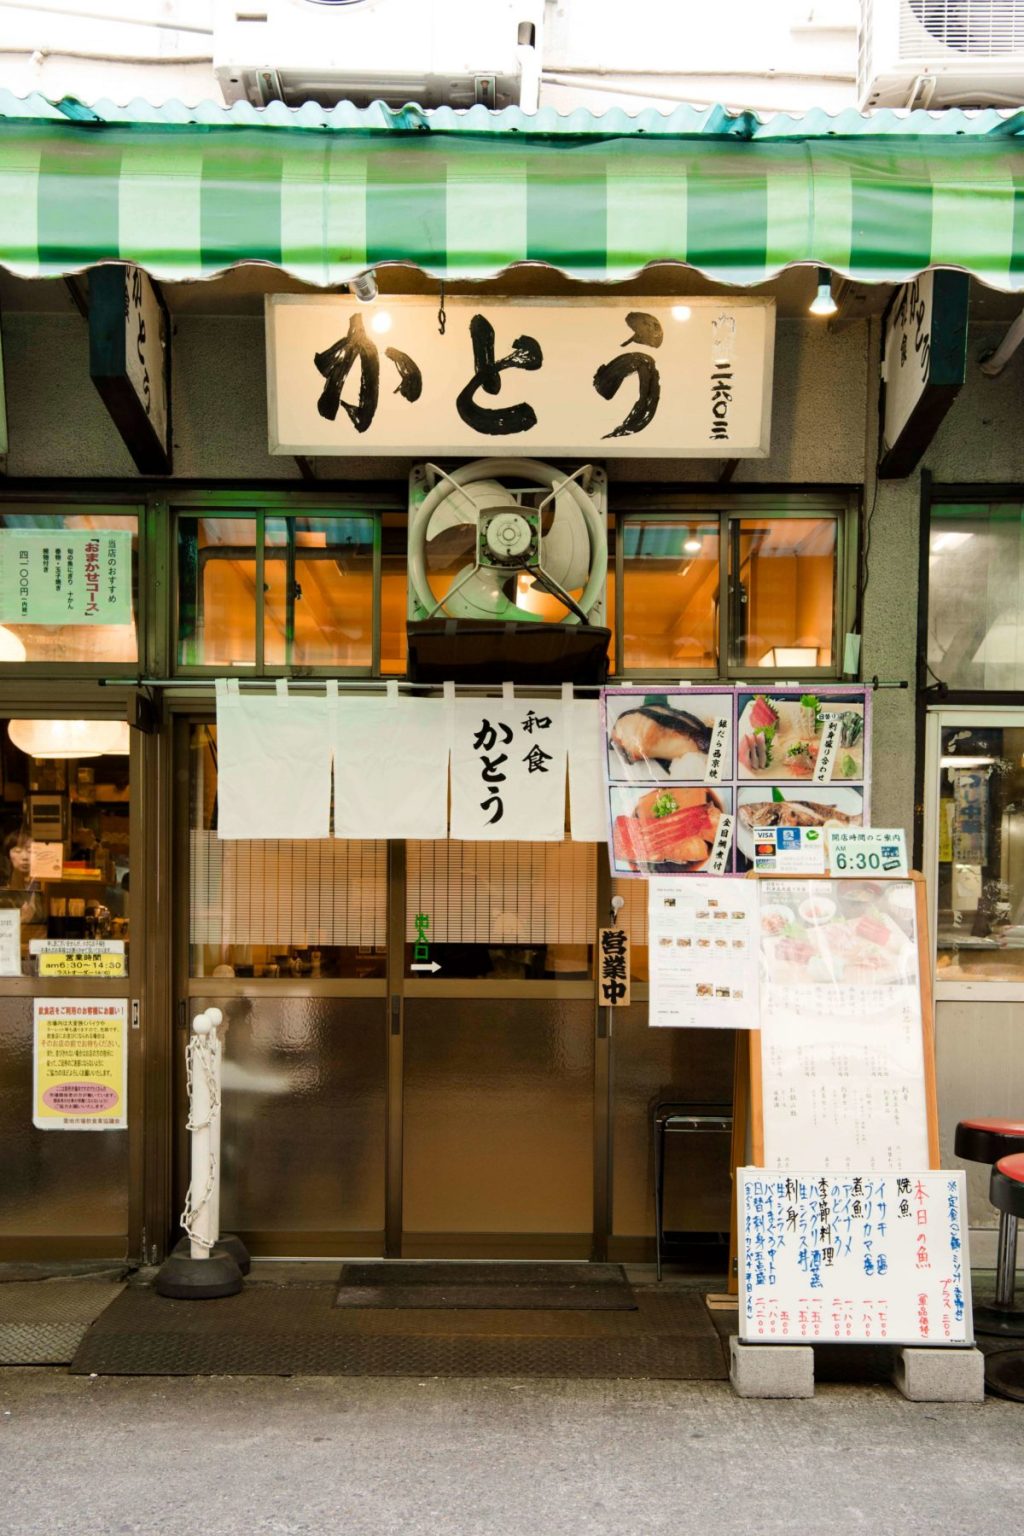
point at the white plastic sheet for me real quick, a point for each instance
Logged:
(508, 769)
(588, 815)
(273, 764)
(390, 765)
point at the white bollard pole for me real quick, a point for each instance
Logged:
(216, 1019)
(204, 1171)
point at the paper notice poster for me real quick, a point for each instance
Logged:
(80, 1064)
(10, 941)
(79, 957)
(703, 938)
(46, 861)
(66, 576)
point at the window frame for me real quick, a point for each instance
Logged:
(841, 507)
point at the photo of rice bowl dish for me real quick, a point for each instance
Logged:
(668, 830)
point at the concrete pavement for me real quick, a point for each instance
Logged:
(286, 1457)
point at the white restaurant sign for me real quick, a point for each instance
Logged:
(623, 377)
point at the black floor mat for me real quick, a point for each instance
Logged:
(489, 1287)
(296, 1331)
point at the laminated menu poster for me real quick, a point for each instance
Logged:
(844, 1066)
(855, 1258)
(703, 952)
(696, 776)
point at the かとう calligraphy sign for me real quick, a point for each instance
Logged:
(618, 377)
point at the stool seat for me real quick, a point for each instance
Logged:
(1007, 1188)
(987, 1140)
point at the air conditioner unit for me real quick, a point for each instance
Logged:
(396, 51)
(941, 53)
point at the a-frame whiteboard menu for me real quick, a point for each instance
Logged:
(842, 1071)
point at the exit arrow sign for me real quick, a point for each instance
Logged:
(431, 966)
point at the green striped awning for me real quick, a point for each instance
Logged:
(324, 194)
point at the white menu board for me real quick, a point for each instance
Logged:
(843, 1069)
(854, 1258)
(703, 952)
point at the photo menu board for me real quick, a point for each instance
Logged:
(693, 774)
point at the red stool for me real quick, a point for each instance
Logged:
(1004, 1370)
(991, 1141)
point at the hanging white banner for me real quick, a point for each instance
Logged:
(588, 815)
(508, 770)
(390, 766)
(273, 764)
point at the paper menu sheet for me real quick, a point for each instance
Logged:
(842, 1051)
(702, 934)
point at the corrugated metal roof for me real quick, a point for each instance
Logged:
(683, 122)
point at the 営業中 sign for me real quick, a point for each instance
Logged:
(613, 967)
(66, 576)
(596, 376)
(854, 1258)
(80, 1064)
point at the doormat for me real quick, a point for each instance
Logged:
(488, 1287)
(297, 1331)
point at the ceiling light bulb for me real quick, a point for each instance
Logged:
(681, 311)
(692, 545)
(365, 286)
(823, 303)
(381, 322)
(70, 738)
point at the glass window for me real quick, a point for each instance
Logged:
(318, 591)
(393, 594)
(313, 908)
(217, 591)
(670, 593)
(312, 601)
(980, 884)
(782, 592)
(976, 595)
(109, 644)
(64, 825)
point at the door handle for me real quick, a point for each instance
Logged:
(396, 1015)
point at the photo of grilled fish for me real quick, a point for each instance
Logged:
(659, 734)
(793, 813)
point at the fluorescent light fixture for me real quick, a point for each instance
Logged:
(940, 542)
(790, 656)
(965, 762)
(11, 648)
(365, 286)
(70, 738)
(381, 322)
(681, 311)
(823, 303)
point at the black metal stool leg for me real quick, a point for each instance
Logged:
(1002, 1318)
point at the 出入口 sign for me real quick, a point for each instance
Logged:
(923, 365)
(609, 377)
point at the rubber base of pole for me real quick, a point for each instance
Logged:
(229, 1242)
(999, 1322)
(186, 1279)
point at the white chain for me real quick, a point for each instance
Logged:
(199, 1056)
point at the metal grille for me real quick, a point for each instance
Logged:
(509, 893)
(970, 28)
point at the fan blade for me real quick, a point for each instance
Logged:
(565, 548)
(482, 596)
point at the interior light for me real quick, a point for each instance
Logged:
(365, 286)
(11, 648)
(681, 311)
(965, 762)
(940, 542)
(790, 656)
(823, 303)
(70, 738)
(381, 321)
(692, 545)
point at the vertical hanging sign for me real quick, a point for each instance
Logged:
(613, 967)
(924, 363)
(130, 361)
